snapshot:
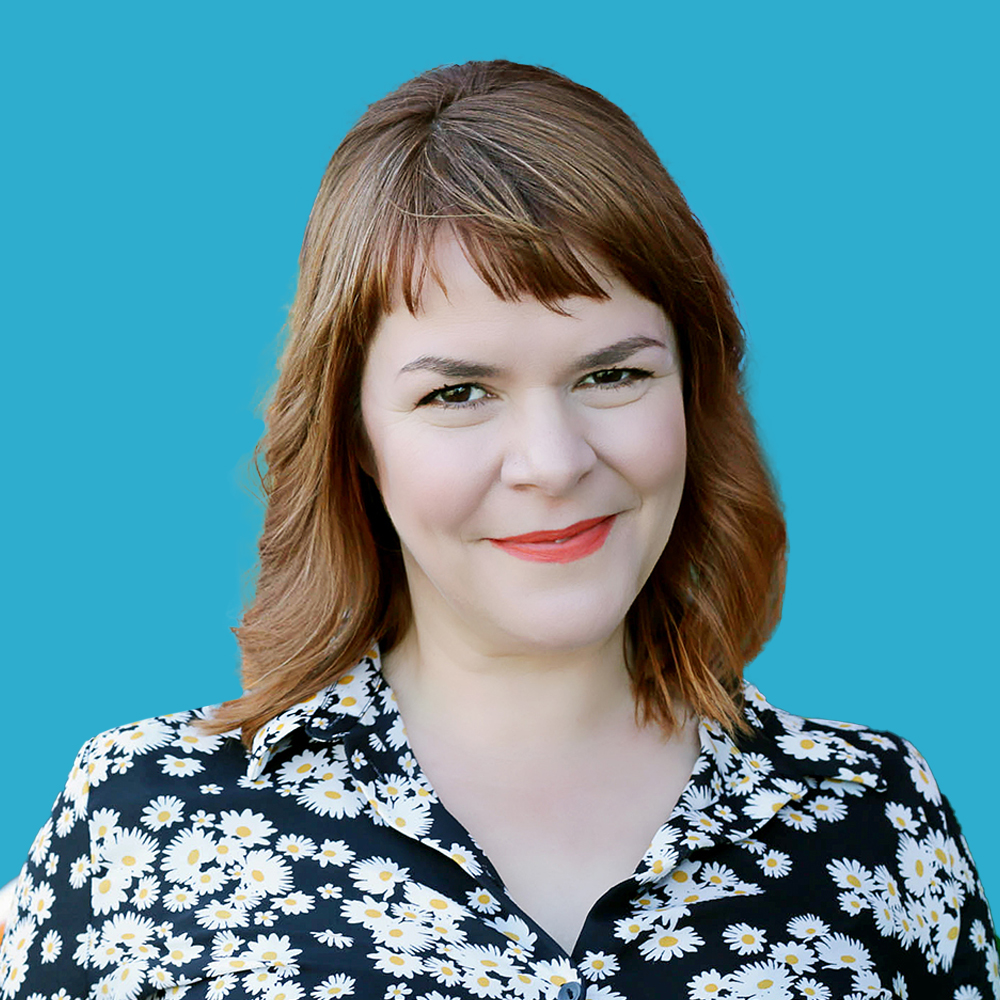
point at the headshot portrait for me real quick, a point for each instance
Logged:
(508, 505)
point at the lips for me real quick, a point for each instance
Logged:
(552, 536)
(562, 545)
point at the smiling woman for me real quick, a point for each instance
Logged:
(520, 543)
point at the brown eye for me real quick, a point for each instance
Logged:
(465, 395)
(610, 376)
(613, 378)
(457, 394)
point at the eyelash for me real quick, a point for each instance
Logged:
(433, 398)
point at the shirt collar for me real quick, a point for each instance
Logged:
(782, 744)
(328, 713)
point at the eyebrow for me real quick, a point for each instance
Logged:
(457, 368)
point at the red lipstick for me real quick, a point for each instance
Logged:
(560, 546)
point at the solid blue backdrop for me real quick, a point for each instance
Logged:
(161, 163)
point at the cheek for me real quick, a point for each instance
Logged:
(432, 482)
(650, 448)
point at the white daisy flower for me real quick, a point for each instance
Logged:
(798, 957)
(923, 780)
(813, 989)
(838, 951)
(131, 851)
(517, 932)
(164, 810)
(338, 985)
(775, 863)
(295, 902)
(180, 949)
(433, 901)
(807, 927)
(333, 940)
(402, 935)
(186, 855)
(629, 928)
(917, 865)
(40, 901)
(216, 916)
(265, 872)
(378, 876)
(442, 970)
(597, 965)
(827, 808)
(295, 847)
(333, 852)
(51, 947)
(762, 981)
(901, 817)
(806, 746)
(248, 828)
(851, 875)
(142, 737)
(797, 819)
(967, 993)
(665, 945)
(744, 939)
(331, 797)
(220, 987)
(180, 767)
(107, 893)
(482, 900)
(410, 814)
(367, 911)
(852, 903)
(395, 964)
(65, 822)
(867, 984)
(103, 823)
(190, 739)
(707, 985)
(274, 950)
(178, 900)
(161, 978)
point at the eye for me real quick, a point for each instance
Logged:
(454, 396)
(615, 378)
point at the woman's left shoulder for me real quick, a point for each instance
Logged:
(882, 760)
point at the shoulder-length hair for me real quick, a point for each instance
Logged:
(535, 175)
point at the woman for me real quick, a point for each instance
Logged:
(515, 499)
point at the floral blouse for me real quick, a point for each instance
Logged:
(811, 860)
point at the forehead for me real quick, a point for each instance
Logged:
(457, 307)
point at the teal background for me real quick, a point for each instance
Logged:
(161, 161)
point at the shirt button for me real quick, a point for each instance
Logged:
(570, 991)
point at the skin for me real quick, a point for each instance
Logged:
(512, 680)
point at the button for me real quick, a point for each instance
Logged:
(570, 991)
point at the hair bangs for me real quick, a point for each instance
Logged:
(523, 237)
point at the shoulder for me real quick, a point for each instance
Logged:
(164, 754)
(898, 817)
(824, 748)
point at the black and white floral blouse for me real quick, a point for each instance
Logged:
(813, 860)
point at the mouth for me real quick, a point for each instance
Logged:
(562, 545)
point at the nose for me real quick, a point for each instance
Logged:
(546, 447)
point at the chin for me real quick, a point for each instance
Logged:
(561, 630)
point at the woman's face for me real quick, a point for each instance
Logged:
(532, 463)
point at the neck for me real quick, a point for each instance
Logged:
(511, 703)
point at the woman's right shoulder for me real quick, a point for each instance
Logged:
(167, 755)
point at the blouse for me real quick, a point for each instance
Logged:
(811, 859)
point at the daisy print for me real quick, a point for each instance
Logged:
(283, 874)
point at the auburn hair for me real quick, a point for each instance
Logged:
(535, 175)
